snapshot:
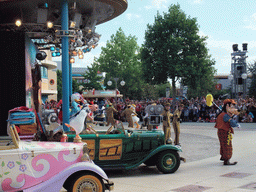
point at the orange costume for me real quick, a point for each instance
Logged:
(224, 124)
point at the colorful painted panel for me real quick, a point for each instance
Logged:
(36, 162)
(110, 149)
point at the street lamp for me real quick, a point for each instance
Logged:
(244, 76)
(122, 83)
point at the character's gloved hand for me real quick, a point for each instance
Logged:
(238, 126)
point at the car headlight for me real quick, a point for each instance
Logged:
(85, 157)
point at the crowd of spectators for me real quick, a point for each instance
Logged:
(195, 109)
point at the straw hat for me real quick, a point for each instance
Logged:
(229, 101)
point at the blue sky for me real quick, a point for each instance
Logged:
(225, 22)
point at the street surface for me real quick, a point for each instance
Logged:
(203, 170)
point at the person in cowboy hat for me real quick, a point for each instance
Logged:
(176, 123)
(225, 124)
(128, 115)
(110, 115)
(167, 122)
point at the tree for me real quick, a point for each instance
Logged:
(252, 88)
(93, 80)
(75, 85)
(121, 58)
(59, 84)
(173, 49)
(149, 92)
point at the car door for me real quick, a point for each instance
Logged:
(12, 175)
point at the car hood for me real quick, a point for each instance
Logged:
(48, 147)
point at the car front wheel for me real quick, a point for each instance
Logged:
(168, 161)
(86, 182)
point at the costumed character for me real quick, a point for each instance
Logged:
(167, 123)
(90, 116)
(225, 124)
(81, 98)
(176, 123)
(75, 104)
(128, 115)
(77, 122)
(90, 119)
(135, 119)
(110, 115)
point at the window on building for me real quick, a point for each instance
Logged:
(44, 72)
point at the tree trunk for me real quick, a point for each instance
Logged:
(173, 89)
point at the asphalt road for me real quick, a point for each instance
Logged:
(199, 143)
(200, 147)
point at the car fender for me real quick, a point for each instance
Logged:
(160, 149)
(154, 152)
(55, 183)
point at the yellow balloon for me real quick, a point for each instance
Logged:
(209, 100)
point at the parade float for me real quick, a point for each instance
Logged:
(48, 166)
(121, 147)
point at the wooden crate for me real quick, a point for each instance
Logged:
(28, 129)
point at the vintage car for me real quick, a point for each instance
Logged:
(48, 166)
(123, 148)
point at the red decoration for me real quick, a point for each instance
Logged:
(218, 86)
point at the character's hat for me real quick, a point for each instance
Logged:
(167, 104)
(181, 105)
(229, 101)
(133, 105)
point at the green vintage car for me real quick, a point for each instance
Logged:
(119, 148)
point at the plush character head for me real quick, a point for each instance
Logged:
(229, 107)
(75, 97)
(93, 107)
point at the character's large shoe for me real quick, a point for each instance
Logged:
(227, 162)
(169, 141)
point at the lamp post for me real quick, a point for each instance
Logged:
(122, 83)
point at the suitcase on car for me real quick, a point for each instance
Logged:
(22, 118)
(28, 129)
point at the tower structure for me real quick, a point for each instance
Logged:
(238, 71)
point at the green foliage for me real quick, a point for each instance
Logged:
(173, 49)
(252, 88)
(59, 85)
(149, 92)
(93, 78)
(75, 85)
(161, 89)
(121, 59)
